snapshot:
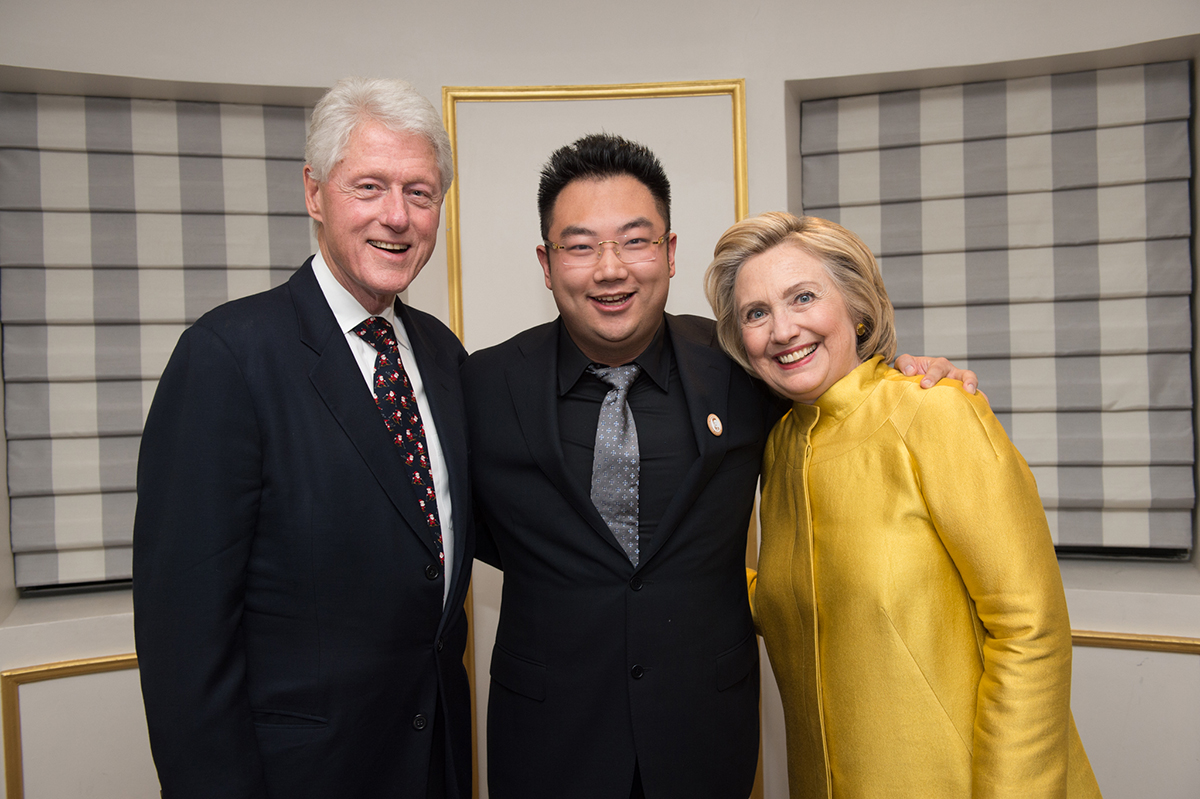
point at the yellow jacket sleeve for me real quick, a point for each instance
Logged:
(985, 507)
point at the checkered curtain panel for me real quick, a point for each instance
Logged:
(121, 222)
(1037, 231)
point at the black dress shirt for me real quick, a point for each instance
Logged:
(666, 442)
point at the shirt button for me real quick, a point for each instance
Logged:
(636, 583)
(431, 572)
(637, 672)
(419, 722)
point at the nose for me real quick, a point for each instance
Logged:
(783, 328)
(609, 266)
(394, 211)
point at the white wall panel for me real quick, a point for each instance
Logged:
(85, 736)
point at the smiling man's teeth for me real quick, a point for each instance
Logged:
(612, 300)
(384, 245)
(792, 357)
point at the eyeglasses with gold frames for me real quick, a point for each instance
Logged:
(634, 248)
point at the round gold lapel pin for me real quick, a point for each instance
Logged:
(714, 425)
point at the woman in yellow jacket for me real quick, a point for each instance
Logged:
(908, 590)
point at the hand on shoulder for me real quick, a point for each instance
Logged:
(935, 369)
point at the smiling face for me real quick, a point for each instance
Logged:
(796, 328)
(611, 309)
(379, 212)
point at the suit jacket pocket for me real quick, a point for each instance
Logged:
(735, 664)
(284, 718)
(518, 674)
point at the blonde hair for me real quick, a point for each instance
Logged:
(847, 260)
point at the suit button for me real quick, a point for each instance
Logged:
(636, 583)
(419, 722)
(637, 672)
(431, 572)
(440, 644)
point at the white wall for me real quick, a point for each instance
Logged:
(477, 43)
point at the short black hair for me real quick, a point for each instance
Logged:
(598, 156)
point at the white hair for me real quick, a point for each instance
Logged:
(391, 102)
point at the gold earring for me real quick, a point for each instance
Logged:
(860, 329)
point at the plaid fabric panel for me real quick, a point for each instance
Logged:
(121, 222)
(1038, 231)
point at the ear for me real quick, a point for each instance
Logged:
(544, 260)
(312, 192)
(671, 242)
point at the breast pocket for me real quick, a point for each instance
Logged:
(740, 456)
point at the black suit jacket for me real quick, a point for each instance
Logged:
(287, 593)
(598, 664)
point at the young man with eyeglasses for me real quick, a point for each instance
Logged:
(626, 663)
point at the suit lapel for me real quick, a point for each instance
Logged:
(704, 371)
(533, 385)
(339, 382)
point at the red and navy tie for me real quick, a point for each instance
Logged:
(395, 399)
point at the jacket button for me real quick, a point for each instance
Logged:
(637, 672)
(419, 722)
(431, 572)
(440, 644)
(636, 583)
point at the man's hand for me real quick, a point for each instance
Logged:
(935, 369)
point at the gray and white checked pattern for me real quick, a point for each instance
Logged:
(121, 222)
(616, 467)
(1037, 230)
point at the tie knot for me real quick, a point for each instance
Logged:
(377, 332)
(618, 377)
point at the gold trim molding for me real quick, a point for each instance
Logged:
(10, 705)
(452, 95)
(1138, 641)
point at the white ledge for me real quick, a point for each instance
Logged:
(1133, 597)
(50, 629)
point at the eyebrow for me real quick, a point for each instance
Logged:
(579, 230)
(792, 289)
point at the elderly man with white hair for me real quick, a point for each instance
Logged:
(303, 539)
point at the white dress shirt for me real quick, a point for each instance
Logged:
(349, 314)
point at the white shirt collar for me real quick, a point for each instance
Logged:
(347, 310)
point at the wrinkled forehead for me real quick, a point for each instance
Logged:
(781, 269)
(372, 146)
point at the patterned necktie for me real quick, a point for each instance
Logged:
(395, 399)
(615, 464)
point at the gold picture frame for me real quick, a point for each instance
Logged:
(453, 95)
(10, 705)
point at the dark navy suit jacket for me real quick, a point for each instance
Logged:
(288, 605)
(598, 664)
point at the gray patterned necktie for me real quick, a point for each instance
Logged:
(615, 464)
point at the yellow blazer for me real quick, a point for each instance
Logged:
(911, 602)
